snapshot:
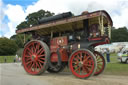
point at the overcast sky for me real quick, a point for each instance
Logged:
(13, 12)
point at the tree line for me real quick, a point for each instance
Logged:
(120, 34)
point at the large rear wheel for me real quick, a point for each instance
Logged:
(35, 56)
(100, 63)
(82, 63)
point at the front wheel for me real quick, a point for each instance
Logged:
(82, 63)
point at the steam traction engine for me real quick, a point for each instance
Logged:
(66, 40)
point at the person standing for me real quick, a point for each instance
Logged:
(17, 58)
(108, 55)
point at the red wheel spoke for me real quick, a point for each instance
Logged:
(27, 56)
(40, 64)
(37, 47)
(42, 58)
(28, 59)
(40, 50)
(35, 69)
(77, 69)
(34, 48)
(29, 53)
(37, 65)
(29, 50)
(40, 61)
(88, 65)
(29, 62)
(86, 59)
(41, 55)
(89, 62)
(85, 69)
(76, 60)
(29, 66)
(80, 57)
(32, 65)
(88, 70)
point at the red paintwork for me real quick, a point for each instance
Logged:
(99, 38)
(54, 57)
(106, 41)
(64, 55)
(56, 43)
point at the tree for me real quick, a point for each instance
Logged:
(120, 34)
(33, 18)
(23, 24)
(7, 46)
(19, 39)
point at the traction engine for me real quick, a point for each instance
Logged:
(65, 40)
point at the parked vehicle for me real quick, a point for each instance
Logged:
(123, 56)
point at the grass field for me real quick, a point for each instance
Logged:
(115, 67)
(9, 59)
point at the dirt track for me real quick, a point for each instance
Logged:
(14, 74)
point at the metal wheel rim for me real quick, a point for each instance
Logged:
(88, 66)
(34, 57)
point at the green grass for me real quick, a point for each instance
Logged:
(9, 59)
(115, 67)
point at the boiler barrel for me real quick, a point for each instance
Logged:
(56, 17)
